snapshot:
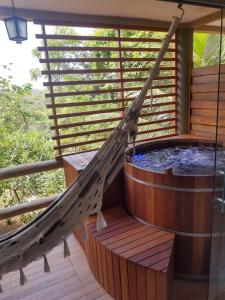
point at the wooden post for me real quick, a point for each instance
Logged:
(184, 61)
(59, 152)
(120, 74)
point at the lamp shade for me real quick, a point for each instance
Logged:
(16, 28)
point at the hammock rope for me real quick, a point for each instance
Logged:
(83, 197)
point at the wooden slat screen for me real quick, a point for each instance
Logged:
(93, 77)
(204, 102)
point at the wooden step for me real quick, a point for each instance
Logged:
(129, 259)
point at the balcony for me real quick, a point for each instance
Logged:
(159, 241)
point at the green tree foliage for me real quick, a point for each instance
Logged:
(206, 49)
(25, 137)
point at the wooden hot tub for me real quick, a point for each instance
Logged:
(181, 204)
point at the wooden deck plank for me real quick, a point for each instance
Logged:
(126, 251)
(69, 279)
(144, 234)
(156, 259)
(124, 278)
(133, 229)
(110, 272)
(141, 283)
(132, 280)
(123, 222)
(150, 252)
(151, 284)
(141, 242)
(104, 269)
(99, 260)
(116, 276)
(150, 244)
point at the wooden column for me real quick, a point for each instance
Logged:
(184, 63)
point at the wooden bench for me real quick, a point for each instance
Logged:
(129, 259)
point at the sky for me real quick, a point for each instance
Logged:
(20, 55)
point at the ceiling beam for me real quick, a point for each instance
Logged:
(207, 3)
(205, 20)
(56, 18)
(208, 29)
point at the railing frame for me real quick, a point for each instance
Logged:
(28, 169)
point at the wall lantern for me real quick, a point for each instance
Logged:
(16, 27)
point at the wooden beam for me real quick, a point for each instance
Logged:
(184, 61)
(206, 3)
(208, 29)
(26, 207)
(31, 168)
(70, 19)
(205, 20)
(58, 18)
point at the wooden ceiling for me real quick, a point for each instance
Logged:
(154, 10)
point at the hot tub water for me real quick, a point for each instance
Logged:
(184, 160)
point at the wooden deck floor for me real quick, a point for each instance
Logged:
(69, 279)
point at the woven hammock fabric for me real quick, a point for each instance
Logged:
(83, 197)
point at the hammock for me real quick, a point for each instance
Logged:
(83, 197)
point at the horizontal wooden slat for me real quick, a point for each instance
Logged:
(208, 112)
(207, 128)
(96, 92)
(208, 70)
(162, 136)
(208, 96)
(102, 49)
(26, 207)
(104, 81)
(85, 133)
(207, 120)
(78, 124)
(210, 136)
(98, 38)
(156, 130)
(208, 87)
(105, 111)
(157, 121)
(107, 120)
(117, 101)
(86, 113)
(91, 71)
(163, 112)
(207, 104)
(30, 168)
(64, 146)
(109, 59)
(214, 78)
(83, 103)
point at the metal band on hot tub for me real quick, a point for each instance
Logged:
(171, 188)
(180, 233)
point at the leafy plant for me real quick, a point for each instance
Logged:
(206, 49)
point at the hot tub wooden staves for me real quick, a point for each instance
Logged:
(179, 204)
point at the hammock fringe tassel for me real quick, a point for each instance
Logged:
(46, 265)
(101, 223)
(23, 278)
(66, 248)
